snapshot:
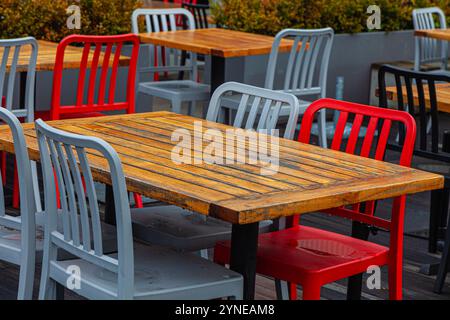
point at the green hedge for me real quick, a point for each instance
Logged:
(344, 16)
(46, 19)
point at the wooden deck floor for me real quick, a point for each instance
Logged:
(416, 285)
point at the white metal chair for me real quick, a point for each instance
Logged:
(184, 230)
(136, 271)
(428, 49)
(17, 233)
(10, 67)
(167, 60)
(304, 74)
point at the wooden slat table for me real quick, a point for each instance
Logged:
(47, 54)
(309, 178)
(440, 34)
(223, 45)
(442, 95)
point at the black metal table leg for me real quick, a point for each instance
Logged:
(354, 287)
(244, 243)
(110, 210)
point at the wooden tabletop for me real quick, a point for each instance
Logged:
(154, 4)
(442, 95)
(309, 178)
(441, 34)
(217, 42)
(46, 57)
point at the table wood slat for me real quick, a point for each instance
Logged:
(442, 95)
(441, 34)
(309, 178)
(214, 41)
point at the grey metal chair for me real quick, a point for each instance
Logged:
(17, 233)
(188, 231)
(136, 271)
(304, 73)
(170, 60)
(10, 67)
(428, 49)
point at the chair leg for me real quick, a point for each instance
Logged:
(322, 124)
(311, 291)
(3, 157)
(444, 266)
(395, 282)
(443, 216)
(138, 201)
(435, 209)
(176, 106)
(26, 281)
(191, 107)
(16, 197)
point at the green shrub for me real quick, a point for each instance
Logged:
(344, 16)
(46, 19)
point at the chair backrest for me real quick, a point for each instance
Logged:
(26, 222)
(96, 95)
(165, 59)
(18, 55)
(199, 11)
(258, 109)
(373, 145)
(66, 167)
(418, 87)
(428, 49)
(307, 64)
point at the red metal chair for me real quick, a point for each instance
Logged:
(92, 60)
(100, 93)
(312, 257)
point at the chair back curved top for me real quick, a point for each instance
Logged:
(65, 156)
(428, 49)
(307, 63)
(99, 94)
(199, 12)
(419, 87)
(164, 59)
(12, 62)
(258, 108)
(25, 223)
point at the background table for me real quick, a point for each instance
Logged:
(309, 178)
(441, 34)
(442, 95)
(222, 44)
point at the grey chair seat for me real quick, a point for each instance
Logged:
(232, 102)
(441, 72)
(160, 273)
(183, 89)
(180, 229)
(10, 241)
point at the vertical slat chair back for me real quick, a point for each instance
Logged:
(200, 13)
(407, 82)
(259, 108)
(97, 78)
(26, 221)
(307, 63)
(428, 49)
(10, 66)
(66, 168)
(164, 59)
(373, 148)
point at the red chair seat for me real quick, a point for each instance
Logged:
(45, 115)
(301, 252)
